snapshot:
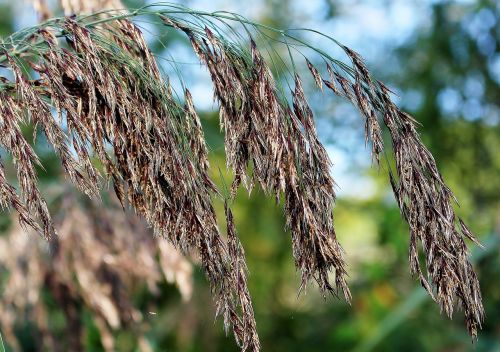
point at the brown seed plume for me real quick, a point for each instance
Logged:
(264, 132)
(425, 201)
(426, 204)
(122, 124)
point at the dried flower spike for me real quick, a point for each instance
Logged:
(106, 89)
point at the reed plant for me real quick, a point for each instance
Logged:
(92, 86)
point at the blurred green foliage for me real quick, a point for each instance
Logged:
(451, 56)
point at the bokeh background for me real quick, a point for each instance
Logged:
(442, 59)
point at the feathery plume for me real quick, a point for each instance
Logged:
(106, 87)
